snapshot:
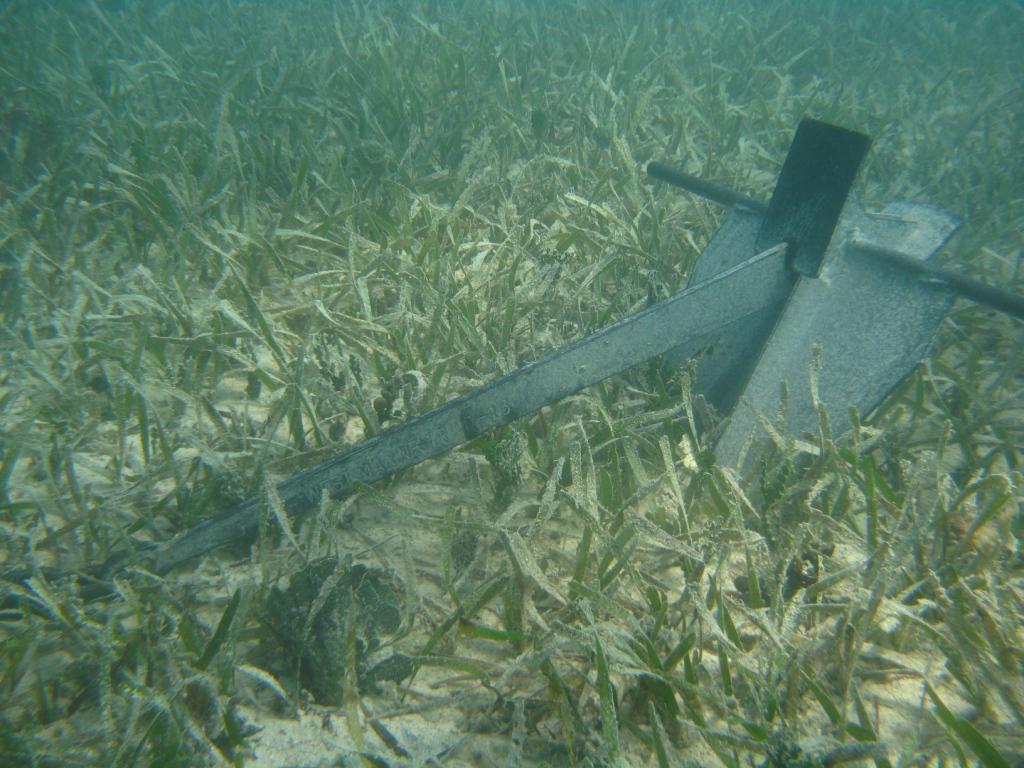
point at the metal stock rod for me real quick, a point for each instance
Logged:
(1007, 302)
(1004, 301)
(709, 190)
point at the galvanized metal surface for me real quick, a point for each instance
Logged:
(870, 322)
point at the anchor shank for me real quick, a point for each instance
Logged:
(697, 311)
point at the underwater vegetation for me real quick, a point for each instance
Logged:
(237, 237)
